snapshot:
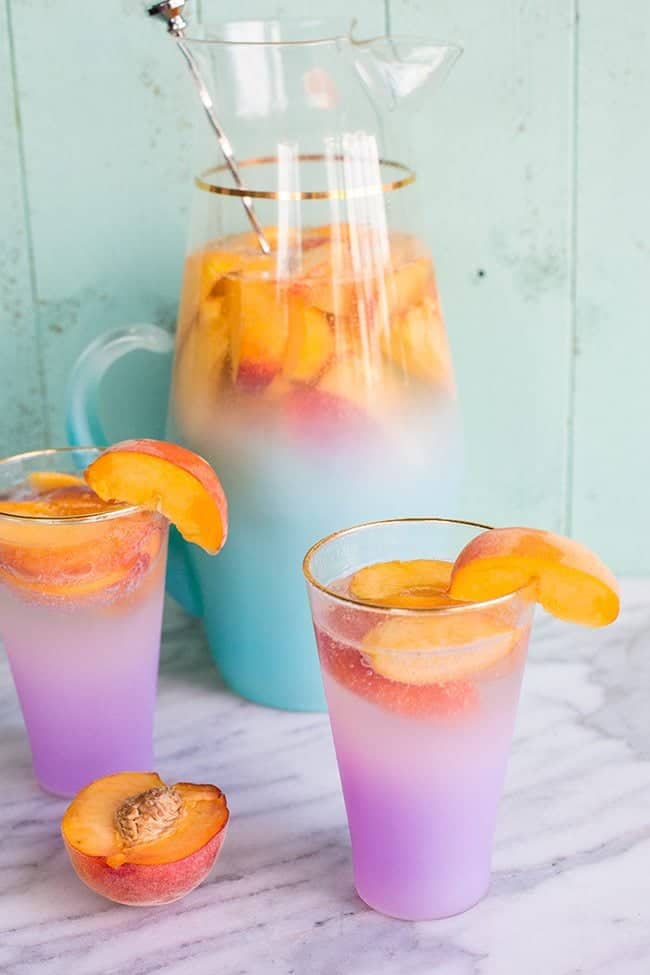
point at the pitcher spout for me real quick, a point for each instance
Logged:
(396, 68)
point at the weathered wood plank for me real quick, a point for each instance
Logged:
(22, 413)
(497, 153)
(611, 455)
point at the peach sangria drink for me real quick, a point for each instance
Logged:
(81, 597)
(302, 374)
(422, 659)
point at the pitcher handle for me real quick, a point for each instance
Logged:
(84, 429)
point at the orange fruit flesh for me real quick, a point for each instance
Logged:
(89, 824)
(432, 648)
(288, 314)
(42, 481)
(169, 479)
(71, 561)
(413, 584)
(64, 502)
(569, 580)
(439, 647)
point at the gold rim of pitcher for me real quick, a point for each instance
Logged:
(370, 189)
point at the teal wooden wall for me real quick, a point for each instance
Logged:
(541, 138)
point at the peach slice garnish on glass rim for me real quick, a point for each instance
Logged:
(138, 841)
(570, 581)
(168, 478)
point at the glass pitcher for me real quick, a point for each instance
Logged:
(311, 363)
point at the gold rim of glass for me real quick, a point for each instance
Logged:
(64, 519)
(375, 189)
(397, 610)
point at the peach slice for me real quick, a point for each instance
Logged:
(408, 283)
(417, 700)
(311, 343)
(570, 581)
(258, 318)
(200, 359)
(165, 477)
(417, 342)
(135, 840)
(440, 647)
(361, 380)
(43, 481)
(318, 418)
(216, 264)
(417, 582)
(67, 562)
(67, 502)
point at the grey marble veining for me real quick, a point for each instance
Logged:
(571, 887)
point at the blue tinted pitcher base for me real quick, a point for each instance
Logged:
(280, 699)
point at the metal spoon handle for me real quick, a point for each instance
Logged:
(176, 24)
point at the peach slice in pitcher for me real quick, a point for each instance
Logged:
(569, 580)
(413, 584)
(168, 478)
(258, 318)
(310, 346)
(135, 840)
(417, 342)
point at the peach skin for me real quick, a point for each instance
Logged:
(165, 477)
(569, 580)
(137, 841)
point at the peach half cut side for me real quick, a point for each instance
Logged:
(413, 584)
(439, 648)
(569, 580)
(137, 841)
(168, 478)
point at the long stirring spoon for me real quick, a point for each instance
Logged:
(171, 11)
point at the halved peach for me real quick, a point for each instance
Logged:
(569, 580)
(440, 647)
(416, 582)
(168, 478)
(135, 840)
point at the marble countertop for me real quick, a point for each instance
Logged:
(571, 885)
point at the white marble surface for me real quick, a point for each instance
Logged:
(571, 887)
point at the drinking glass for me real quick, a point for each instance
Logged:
(81, 601)
(422, 730)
